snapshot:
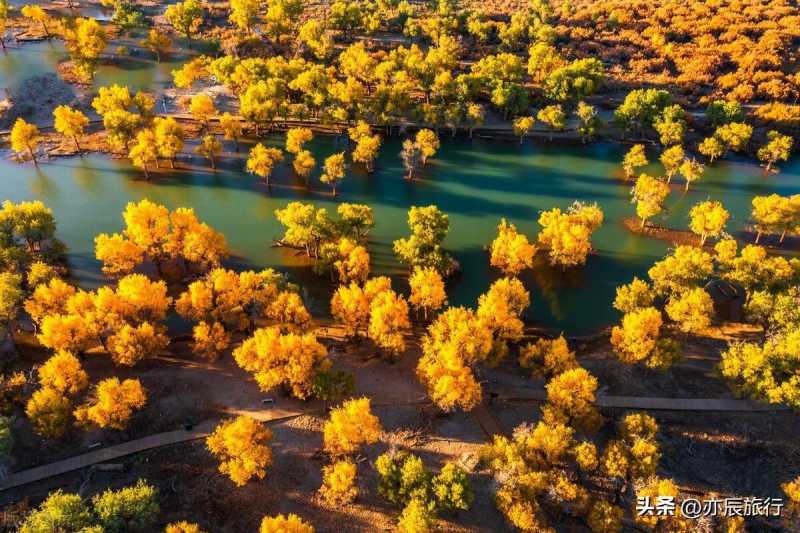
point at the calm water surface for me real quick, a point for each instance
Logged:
(475, 182)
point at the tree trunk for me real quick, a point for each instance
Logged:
(768, 167)
(687, 185)
(33, 156)
(77, 145)
(783, 235)
(758, 236)
(146, 174)
(213, 163)
(643, 221)
(172, 163)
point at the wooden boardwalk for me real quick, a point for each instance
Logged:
(481, 414)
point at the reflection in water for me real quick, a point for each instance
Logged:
(88, 194)
(42, 186)
(86, 179)
(476, 182)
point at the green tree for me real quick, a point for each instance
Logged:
(587, 115)
(720, 112)
(641, 108)
(128, 509)
(423, 248)
(59, 512)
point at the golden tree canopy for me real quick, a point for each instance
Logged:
(242, 446)
(351, 426)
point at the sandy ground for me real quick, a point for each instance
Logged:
(703, 452)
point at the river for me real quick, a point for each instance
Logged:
(476, 182)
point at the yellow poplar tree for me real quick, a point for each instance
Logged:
(202, 108)
(339, 482)
(523, 125)
(262, 161)
(570, 401)
(183, 527)
(682, 269)
(130, 344)
(288, 360)
(428, 143)
(691, 309)
(285, 524)
(427, 290)
(169, 138)
(778, 147)
(708, 219)
(333, 170)
(145, 151)
(157, 42)
(633, 296)
(49, 412)
(568, 235)
(548, 357)
(776, 214)
(25, 138)
(635, 158)
(231, 128)
(114, 403)
(303, 164)
(350, 305)
(511, 251)
(500, 309)
(367, 145)
(691, 171)
(455, 342)
(351, 261)
(296, 138)
(49, 299)
(38, 14)
(244, 13)
(70, 123)
(389, 322)
(63, 372)
(637, 339)
(351, 426)
(242, 446)
(209, 148)
(649, 194)
(671, 158)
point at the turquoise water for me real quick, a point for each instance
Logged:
(476, 182)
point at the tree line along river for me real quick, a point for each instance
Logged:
(476, 182)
